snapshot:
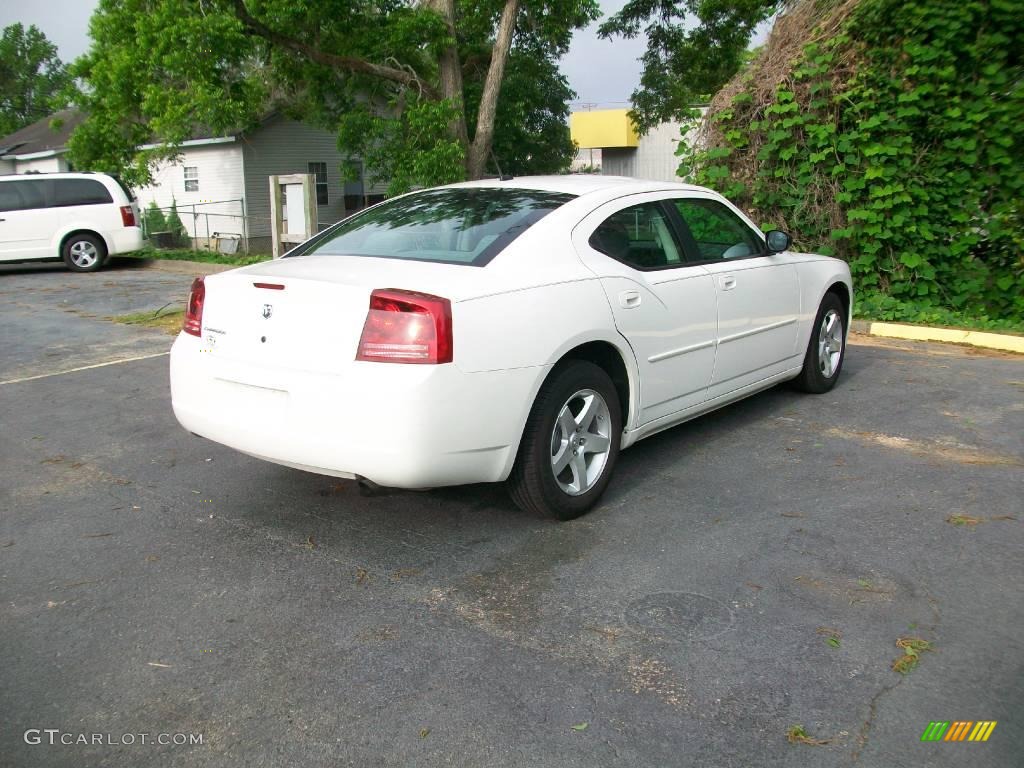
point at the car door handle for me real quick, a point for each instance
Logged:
(728, 282)
(629, 299)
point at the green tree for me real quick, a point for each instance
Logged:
(411, 87)
(32, 78)
(693, 48)
(155, 219)
(174, 226)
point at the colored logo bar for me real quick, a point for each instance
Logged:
(958, 730)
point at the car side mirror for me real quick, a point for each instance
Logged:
(777, 240)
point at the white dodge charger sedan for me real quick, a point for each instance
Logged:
(520, 330)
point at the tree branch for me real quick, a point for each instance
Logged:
(352, 64)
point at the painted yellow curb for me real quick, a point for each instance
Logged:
(974, 338)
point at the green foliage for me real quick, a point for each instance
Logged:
(154, 219)
(32, 78)
(175, 227)
(209, 257)
(895, 143)
(693, 48)
(413, 148)
(157, 71)
(373, 71)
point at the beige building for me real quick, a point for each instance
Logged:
(623, 151)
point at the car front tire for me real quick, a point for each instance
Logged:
(84, 253)
(570, 444)
(826, 348)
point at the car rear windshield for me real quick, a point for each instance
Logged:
(451, 226)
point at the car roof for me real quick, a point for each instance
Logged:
(54, 175)
(581, 184)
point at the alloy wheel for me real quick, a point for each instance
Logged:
(580, 442)
(830, 343)
(84, 254)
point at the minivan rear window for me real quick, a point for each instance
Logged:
(125, 188)
(451, 226)
(79, 192)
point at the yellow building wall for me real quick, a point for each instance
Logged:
(603, 128)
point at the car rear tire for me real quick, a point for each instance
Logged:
(84, 253)
(570, 444)
(826, 348)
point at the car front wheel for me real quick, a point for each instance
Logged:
(825, 349)
(570, 444)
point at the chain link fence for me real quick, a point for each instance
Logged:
(224, 226)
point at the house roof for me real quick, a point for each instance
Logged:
(47, 135)
(41, 138)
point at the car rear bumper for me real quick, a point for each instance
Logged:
(403, 426)
(124, 240)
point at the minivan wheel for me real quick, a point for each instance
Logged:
(570, 444)
(84, 253)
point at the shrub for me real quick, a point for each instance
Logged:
(154, 219)
(174, 225)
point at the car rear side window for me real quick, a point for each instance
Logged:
(450, 226)
(639, 236)
(22, 195)
(80, 192)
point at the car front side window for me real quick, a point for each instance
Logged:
(717, 231)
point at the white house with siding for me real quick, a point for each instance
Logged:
(220, 184)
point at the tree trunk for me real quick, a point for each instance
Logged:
(450, 70)
(476, 159)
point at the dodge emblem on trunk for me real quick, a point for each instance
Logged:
(268, 310)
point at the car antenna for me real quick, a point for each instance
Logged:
(501, 176)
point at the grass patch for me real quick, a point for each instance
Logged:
(876, 307)
(797, 735)
(962, 520)
(832, 636)
(166, 320)
(969, 520)
(208, 257)
(912, 648)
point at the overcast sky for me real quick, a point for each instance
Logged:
(603, 73)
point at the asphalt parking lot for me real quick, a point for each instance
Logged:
(747, 572)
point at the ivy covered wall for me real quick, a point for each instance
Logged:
(890, 133)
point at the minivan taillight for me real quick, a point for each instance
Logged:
(193, 322)
(406, 327)
(127, 216)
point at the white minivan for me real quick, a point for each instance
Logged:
(81, 218)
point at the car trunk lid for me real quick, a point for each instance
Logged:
(307, 313)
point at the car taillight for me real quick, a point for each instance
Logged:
(193, 322)
(406, 327)
(127, 216)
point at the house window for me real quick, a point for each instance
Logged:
(320, 171)
(191, 178)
